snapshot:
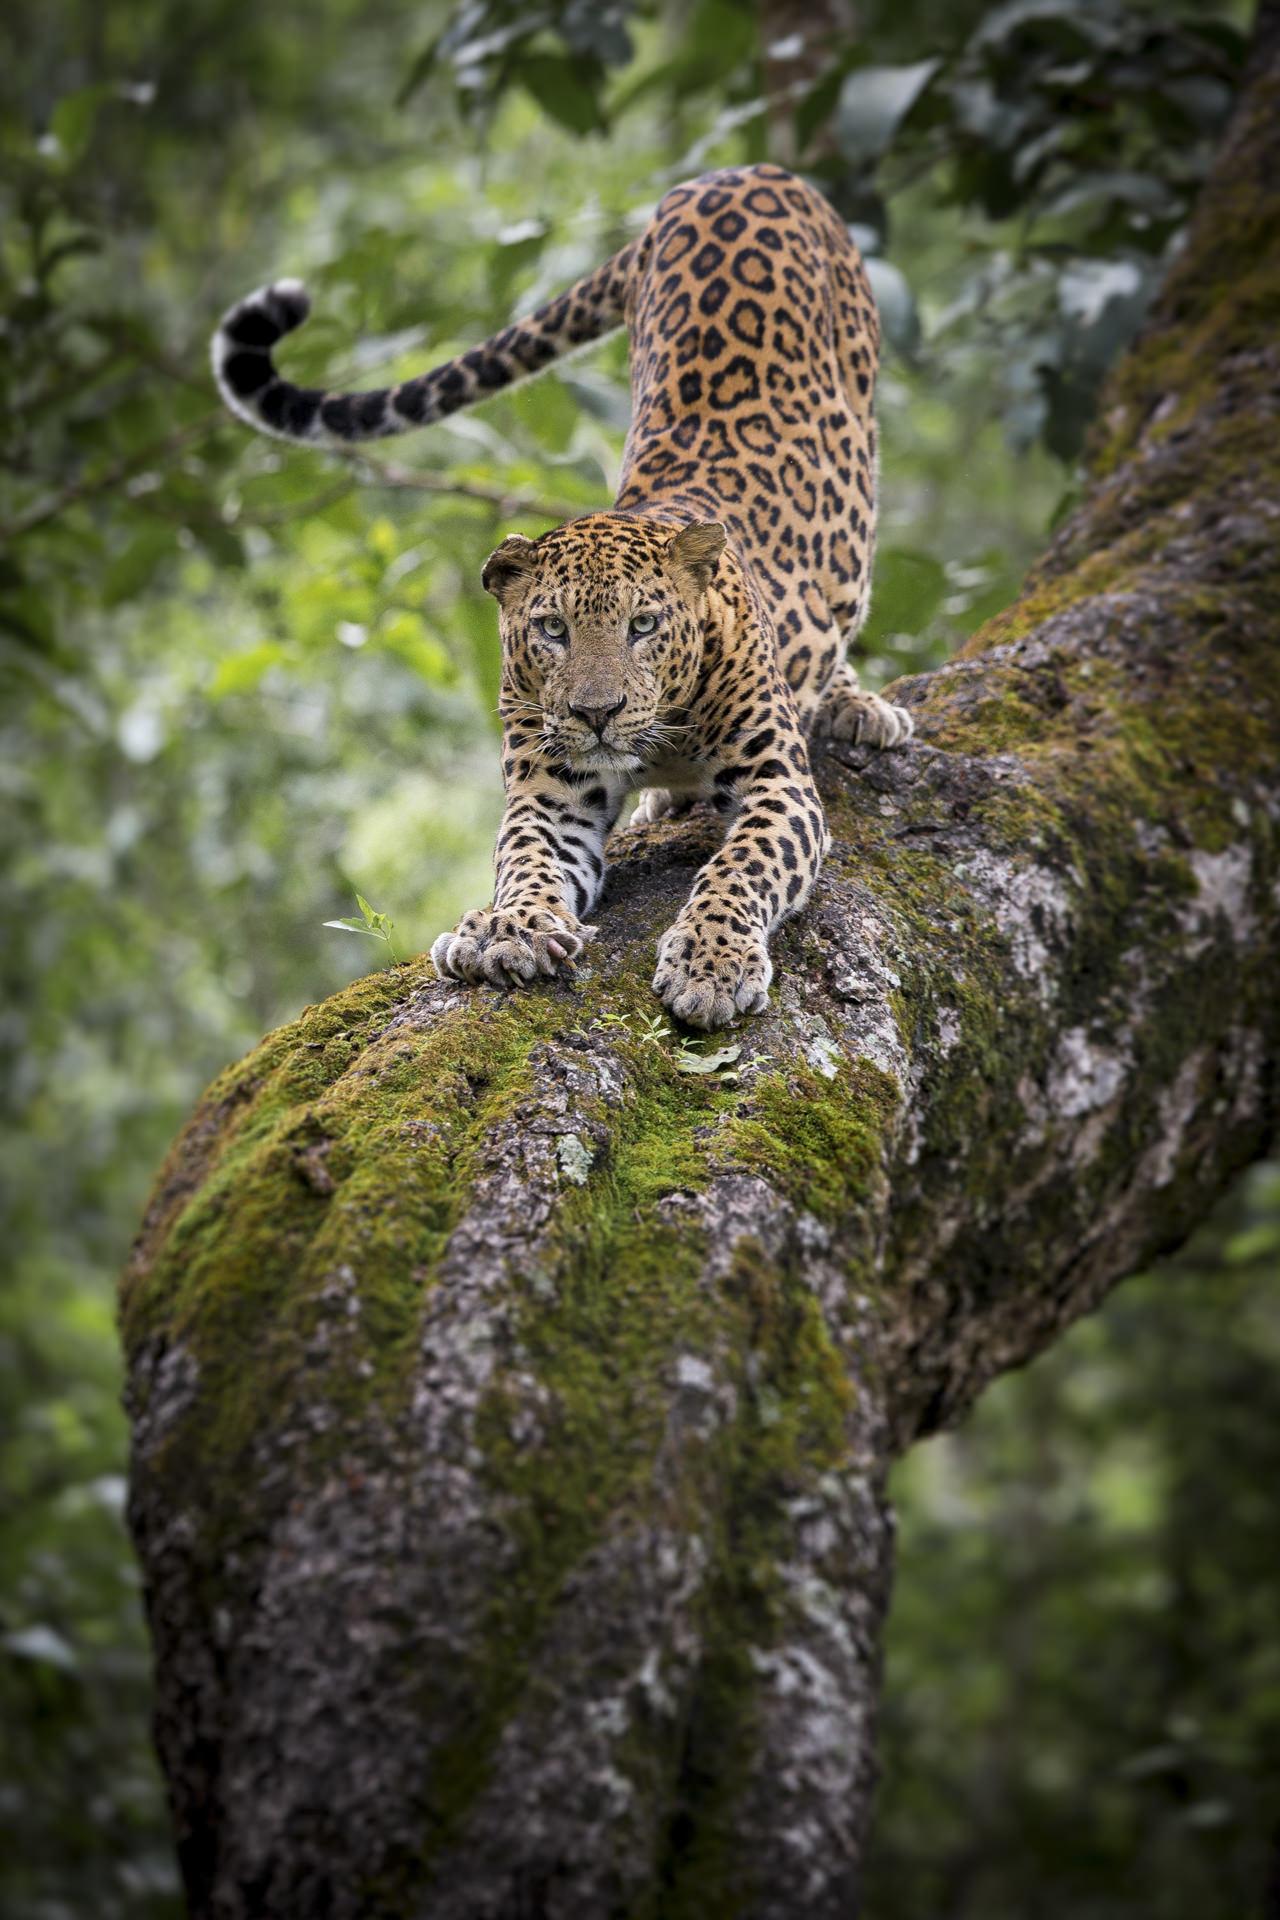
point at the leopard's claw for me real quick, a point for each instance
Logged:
(706, 977)
(508, 949)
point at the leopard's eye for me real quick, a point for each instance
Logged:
(643, 624)
(552, 627)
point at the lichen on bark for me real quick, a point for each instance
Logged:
(512, 1408)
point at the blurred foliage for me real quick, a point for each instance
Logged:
(242, 686)
(1081, 130)
(1082, 1709)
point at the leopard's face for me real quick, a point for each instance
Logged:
(602, 635)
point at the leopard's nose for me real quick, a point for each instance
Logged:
(598, 718)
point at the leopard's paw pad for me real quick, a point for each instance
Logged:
(707, 974)
(508, 949)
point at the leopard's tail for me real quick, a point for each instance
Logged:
(251, 387)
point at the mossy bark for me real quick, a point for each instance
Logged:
(512, 1408)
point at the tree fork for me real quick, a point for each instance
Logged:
(512, 1409)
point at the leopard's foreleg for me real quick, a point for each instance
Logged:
(550, 867)
(713, 962)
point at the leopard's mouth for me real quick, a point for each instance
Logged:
(605, 758)
(585, 752)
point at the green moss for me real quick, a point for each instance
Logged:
(1160, 389)
(338, 1163)
(1106, 571)
(818, 1141)
(605, 1318)
(605, 1324)
(327, 1171)
(796, 1399)
(1131, 762)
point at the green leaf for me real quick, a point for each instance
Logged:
(562, 90)
(1082, 21)
(895, 303)
(242, 672)
(43, 1644)
(874, 101)
(352, 926)
(1254, 1243)
(908, 590)
(68, 249)
(72, 121)
(1139, 190)
(370, 916)
(595, 31)
(984, 115)
(421, 70)
(219, 542)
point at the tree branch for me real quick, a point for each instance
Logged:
(107, 479)
(509, 501)
(512, 1410)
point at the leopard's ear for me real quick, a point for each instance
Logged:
(692, 555)
(508, 567)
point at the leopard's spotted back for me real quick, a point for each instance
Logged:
(754, 350)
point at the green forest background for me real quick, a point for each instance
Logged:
(240, 682)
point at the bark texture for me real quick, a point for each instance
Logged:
(512, 1408)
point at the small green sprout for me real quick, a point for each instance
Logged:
(378, 926)
(653, 1031)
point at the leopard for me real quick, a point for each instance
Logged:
(688, 644)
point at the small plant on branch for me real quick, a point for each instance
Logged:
(378, 926)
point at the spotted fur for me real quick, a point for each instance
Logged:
(690, 640)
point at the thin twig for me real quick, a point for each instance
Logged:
(88, 486)
(186, 515)
(300, 510)
(75, 381)
(508, 500)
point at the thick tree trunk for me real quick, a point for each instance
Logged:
(512, 1409)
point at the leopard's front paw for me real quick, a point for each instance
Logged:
(866, 720)
(508, 949)
(707, 974)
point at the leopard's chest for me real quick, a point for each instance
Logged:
(685, 774)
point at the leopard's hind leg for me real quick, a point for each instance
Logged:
(653, 803)
(657, 803)
(850, 713)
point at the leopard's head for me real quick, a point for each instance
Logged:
(602, 634)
